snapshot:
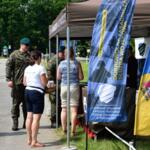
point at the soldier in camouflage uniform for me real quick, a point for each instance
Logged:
(51, 71)
(15, 66)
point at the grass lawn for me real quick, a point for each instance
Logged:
(1, 57)
(100, 144)
(84, 65)
(143, 144)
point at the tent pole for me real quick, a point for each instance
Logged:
(68, 87)
(135, 142)
(49, 48)
(86, 125)
(86, 131)
(69, 147)
(57, 45)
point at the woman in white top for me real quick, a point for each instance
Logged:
(35, 81)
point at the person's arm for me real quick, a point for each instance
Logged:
(43, 79)
(43, 76)
(10, 66)
(58, 73)
(24, 81)
(25, 77)
(81, 76)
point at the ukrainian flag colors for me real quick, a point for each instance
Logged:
(142, 117)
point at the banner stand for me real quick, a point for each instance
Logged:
(86, 142)
(134, 144)
(130, 145)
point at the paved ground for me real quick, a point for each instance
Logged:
(16, 140)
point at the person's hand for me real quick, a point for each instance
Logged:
(10, 84)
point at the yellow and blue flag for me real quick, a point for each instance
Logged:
(142, 115)
(108, 61)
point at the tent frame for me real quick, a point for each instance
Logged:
(65, 25)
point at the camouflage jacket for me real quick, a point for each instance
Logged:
(15, 66)
(51, 68)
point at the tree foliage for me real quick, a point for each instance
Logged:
(82, 47)
(31, 18)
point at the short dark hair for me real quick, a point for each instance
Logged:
(61, 49)
(35, 55)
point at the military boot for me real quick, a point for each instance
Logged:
(24, 115)
(53, 122)
(24, 124)
(15, 124)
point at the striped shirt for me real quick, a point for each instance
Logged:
(74, 79)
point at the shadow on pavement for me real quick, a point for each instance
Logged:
(15, 133)
(45, 127)
(54, 143)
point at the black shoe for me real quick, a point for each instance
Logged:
(15, 124)
(15, 128)
(53, 125)
(24, 125)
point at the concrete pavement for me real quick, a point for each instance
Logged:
(16, 140)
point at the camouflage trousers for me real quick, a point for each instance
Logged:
(17, 95)
(52, 98)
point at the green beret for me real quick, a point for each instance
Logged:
(25, 41)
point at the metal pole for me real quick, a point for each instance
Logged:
(49, 48)
(86, 139)
(69, 147)
(86, 122)
(122, 140)
(68, 87)
(57, 43)
(68, 93)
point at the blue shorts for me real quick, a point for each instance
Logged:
(34, 101)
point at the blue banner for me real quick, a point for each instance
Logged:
(108, 61)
